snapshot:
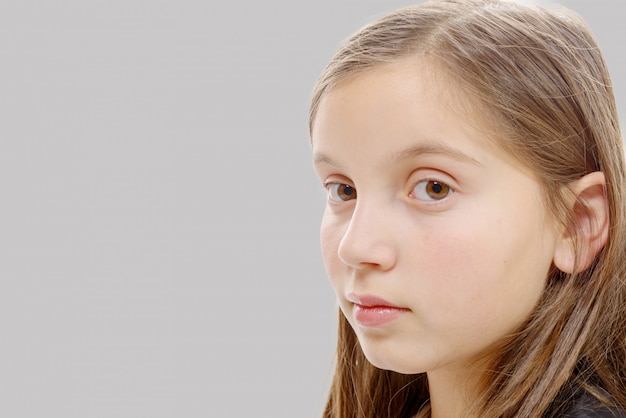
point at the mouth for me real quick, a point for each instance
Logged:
(371, 311)
(370, 301)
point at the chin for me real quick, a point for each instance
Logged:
(391, 363)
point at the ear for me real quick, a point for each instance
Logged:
(588, 228)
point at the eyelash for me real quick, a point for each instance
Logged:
(435, 185)
(334, 190)
(342, 192)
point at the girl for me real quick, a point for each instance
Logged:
(475, 228)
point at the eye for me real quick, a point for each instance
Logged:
(338, 192)
(431, 190)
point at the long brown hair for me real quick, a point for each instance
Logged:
(541, 77)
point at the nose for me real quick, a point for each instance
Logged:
(368, 240)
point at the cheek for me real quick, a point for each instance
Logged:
(460, 260)
(331, 234)
(477, 270)
(448, 263)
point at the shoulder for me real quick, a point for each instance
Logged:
(587, 406)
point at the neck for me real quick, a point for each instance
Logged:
(451, 392)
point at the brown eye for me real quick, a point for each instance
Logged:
(431, 190)
(341, 192)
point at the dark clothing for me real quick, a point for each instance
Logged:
(587, 406)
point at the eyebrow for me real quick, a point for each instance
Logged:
(319, 159)
(409, 153)
(434, 148)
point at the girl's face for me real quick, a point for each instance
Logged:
(435, 241)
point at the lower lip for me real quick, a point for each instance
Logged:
(376, 316)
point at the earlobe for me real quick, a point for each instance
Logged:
(588, 228)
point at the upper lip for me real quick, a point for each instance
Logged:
(369, 301)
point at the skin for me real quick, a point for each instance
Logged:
(426, 213)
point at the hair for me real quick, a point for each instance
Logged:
(542, 80)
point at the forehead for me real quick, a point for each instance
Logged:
(406, 100)
(405, 106)
(394, 83)
(414, 99)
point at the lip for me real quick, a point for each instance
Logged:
(372, 311)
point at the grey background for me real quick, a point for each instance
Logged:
(159, 217)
